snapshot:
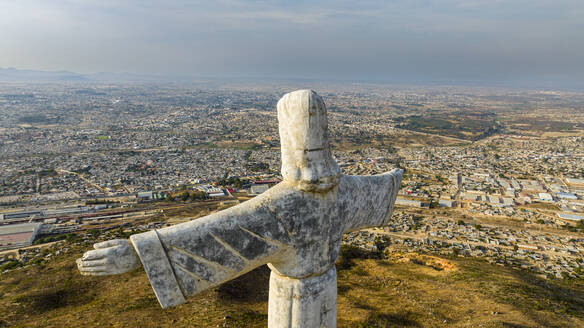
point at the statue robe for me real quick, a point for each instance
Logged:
(297, 233)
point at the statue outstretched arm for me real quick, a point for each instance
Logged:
(367, 201)
(188, 258)
(109, 257)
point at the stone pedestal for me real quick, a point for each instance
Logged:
(303, 303)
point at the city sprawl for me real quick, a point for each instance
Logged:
(491, 173)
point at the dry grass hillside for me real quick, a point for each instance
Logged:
(393, 290)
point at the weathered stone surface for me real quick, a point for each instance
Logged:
(306, 156)
(295, 227)
(299, 303)
(158, 268)
(109, 257)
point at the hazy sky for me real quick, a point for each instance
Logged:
(403, 39)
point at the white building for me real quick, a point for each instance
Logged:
(447, 202)
(545, 197)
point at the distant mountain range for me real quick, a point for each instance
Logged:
(19, 75)
(32, 76)
(25, 75)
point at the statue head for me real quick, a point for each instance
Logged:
(306, 155)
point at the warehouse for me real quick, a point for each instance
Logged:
(18, 235)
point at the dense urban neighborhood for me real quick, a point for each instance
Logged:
(490, 173)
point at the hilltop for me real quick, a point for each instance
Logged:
(376, 289)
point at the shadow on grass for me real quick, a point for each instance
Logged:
(386, 320)
(349, 253)
(56, 297)
(246, 319)
(343, 288)
(251, 287)
(53, 288)
(512, 325)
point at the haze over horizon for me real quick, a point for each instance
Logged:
(490, 41)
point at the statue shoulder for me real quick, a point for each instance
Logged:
(388, 181)
(395, 174)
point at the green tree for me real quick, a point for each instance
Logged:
(198, 195)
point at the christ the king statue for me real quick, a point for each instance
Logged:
(295, 228)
